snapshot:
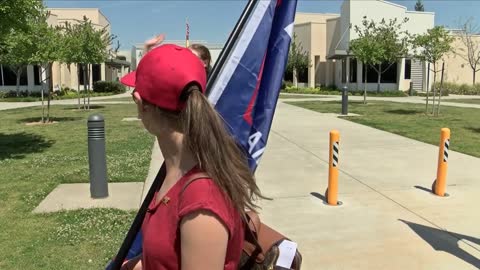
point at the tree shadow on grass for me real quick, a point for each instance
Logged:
(403, 111)
(52, 119)
(17, 145)
(92, 107)
(473, 129)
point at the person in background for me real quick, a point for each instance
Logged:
(198, 49)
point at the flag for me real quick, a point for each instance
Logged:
(246, 90)
(245, 82)
(187, 36)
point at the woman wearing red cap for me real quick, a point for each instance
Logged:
(190, 224)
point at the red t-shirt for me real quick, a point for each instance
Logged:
(161, 226)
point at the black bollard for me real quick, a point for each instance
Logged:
(96, 157)
(345, 101)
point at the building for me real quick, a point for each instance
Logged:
(457, 68)
(326, 37)
(214, 48)
(68, 76)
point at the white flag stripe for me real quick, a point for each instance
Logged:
(238, 51)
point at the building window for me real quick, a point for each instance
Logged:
(10, 79)
(389, 73)
(96, 73)
(344, 71)
(353, 71)
(80, 74)
(408, 69)
(302, 75)
(36, 75)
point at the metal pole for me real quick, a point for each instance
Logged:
(97, 157)
(345, 101)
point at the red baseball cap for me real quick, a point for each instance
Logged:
(163, 73)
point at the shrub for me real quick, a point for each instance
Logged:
(109, 87)
(459, 89)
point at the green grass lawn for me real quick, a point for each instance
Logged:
(123, 99)
(33, 99)
(34, 159)
(409, 120)
(283, 96)
(468, 101)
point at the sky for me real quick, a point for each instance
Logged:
(212, 21)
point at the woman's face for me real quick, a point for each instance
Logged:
(145, 112)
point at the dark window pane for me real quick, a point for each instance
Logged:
(36, 75)
(96, 73)
(353, 70)
(389, 73)
(10, 78)
(408, 69)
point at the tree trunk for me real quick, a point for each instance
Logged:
(295, 79)
(365, 86)
(84, 84)
(19, 74)
(49, 87)
(434, 86)
(441, 87)
(78, 86)
(41, 91)
(379, 77)
(88, 79)
(474, 74)
(1, 72)
(428, 86)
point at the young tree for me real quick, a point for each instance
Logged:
(419, 6)
(298, 59)
(470, 38)
(18, 52)
(431, 47)
(47, 40)
(86, 45)
(378, 43)
(14, 15)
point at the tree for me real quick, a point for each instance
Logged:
(469, 37)
(18, 51)
(378, 43)
(419, 6)
(298, 59)
(85, 45)
(430, 47)
(14, 15)
(47, 40)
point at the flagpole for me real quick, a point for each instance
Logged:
(230, 43)
(138, 221)
(187, 36)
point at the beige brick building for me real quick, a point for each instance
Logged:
(63, 75)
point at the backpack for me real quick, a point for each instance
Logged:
(261, 248)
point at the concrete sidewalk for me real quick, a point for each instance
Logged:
(385, 222)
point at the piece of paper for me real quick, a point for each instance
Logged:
(287, 253)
